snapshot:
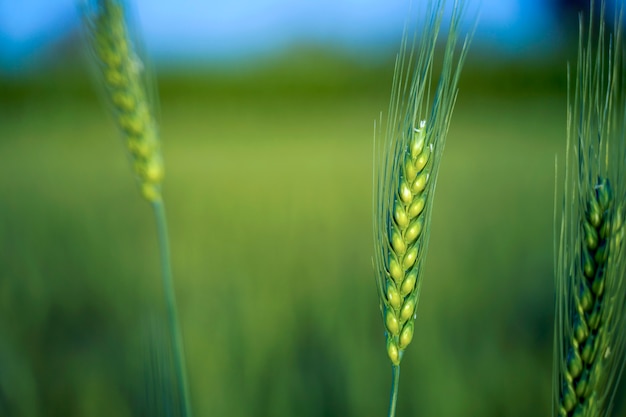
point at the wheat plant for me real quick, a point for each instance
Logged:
(589, 319)
(122, 75)
(406, 160)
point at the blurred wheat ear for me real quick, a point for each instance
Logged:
(406, 161)
(589, 319)
(121, 73)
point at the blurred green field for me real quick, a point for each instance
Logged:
(269, 202)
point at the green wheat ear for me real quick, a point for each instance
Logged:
(589, 320)
(122, 75)
(406, 161)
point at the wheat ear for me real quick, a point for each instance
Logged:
(123, 77)
(406, 162)
(589, 320)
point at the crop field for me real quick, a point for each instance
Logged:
(268, 189)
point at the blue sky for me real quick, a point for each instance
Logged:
(229, 29)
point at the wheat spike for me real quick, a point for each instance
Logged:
(122, 75)
(124, 81)
(406, 161)
(590, 320)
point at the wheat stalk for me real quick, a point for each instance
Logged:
(160, 396)
(589, 320)
(406, 163)
(122, 74)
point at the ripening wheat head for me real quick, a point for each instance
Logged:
(122, 75)
(406, 160)
(590, 320)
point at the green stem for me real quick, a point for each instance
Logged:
(395, 382)
(170, 302)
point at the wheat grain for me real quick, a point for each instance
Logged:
(589, 320)
(121, 72)
(405, 170)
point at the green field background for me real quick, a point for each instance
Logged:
(269, 192)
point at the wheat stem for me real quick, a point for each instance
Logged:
(172, 311)
(395, 384)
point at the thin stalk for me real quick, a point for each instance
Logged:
(170, 303)
(395, 383)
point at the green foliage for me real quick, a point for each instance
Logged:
(270, 264)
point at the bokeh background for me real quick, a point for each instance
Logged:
(267, 112)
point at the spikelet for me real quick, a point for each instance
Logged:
(590, 324)
(122, 75)
(406, 161)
